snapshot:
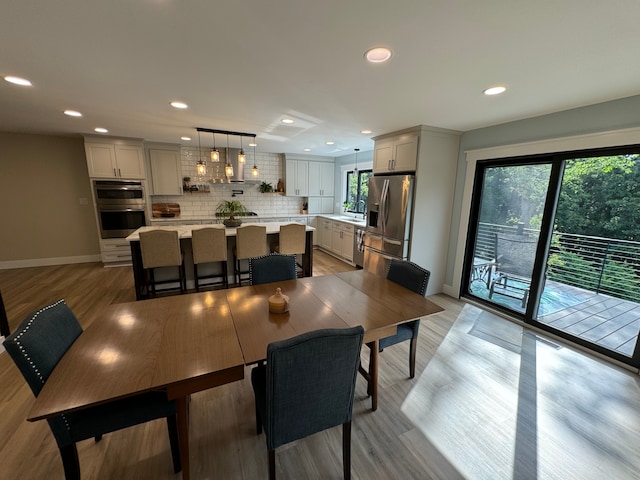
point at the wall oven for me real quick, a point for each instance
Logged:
(121, 207)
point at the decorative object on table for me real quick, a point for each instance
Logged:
(231, 208)
(186, 183)
(280, 186)
(278, 303)
(165, 210)
(265, 187)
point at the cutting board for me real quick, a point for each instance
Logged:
(165, 210)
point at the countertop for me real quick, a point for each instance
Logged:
(184, 231)
(353, 219)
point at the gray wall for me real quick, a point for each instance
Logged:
(613, 115)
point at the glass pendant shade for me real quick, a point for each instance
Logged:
(254, 171)
(215, 155)
(228, 170)
(201, 168)
(242, 158)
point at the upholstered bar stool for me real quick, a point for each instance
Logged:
(210, 246)
(251, 241)
(161, 248)
(292, 241)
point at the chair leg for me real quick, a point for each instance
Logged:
(225, 277)
(346, 450)
(272, 465)
(195, 276)
(258, 421)
(152, 280)
(70, 462)
(172, 426)
(412, 357)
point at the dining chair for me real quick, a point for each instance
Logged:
(307, 386)
(161, 249)
(209, 245)
(251, 241)
(274, 267)
(5, 331)
(292, 241)
(416, 279)
(37, 346)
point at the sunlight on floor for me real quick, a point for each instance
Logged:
(502, 404)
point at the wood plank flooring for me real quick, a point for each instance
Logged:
(399, 440)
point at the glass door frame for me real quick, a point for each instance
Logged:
(557, 162)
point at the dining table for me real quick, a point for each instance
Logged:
(184, 344)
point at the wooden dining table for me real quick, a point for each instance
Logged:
(188, 343)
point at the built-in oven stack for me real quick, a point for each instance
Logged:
(120, 207)
(120, 211)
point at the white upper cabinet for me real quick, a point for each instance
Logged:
(166, 171)
(396, 154)
(321, 179)
(114, 159)
(296, 178)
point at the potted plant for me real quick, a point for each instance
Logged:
(265, 187)
(229, 209)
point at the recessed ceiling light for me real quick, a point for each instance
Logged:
(179, 105)
(186, 139)
(307, 149)
(377, 54)
(497, 90)
(100, 130)
(366, 132)
(330, 142)
(18, 81)
(253, 144)
(288, 121)
(72, 113)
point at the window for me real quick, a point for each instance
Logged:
(357, 190)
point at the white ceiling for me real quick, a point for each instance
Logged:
(243, 65)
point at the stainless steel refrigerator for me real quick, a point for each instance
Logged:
(388, 221)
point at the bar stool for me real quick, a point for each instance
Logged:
(161, 248)
(251, 241)
(292, 241)
(210, 246)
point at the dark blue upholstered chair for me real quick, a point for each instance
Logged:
(307, 386)
(275, 267)
(37, 346)
(5, 331)
(415, 278)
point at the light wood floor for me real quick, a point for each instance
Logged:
(396, 441)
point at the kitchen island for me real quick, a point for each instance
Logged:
(184, 233)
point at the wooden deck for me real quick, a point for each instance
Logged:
(606, 321)
(601, 319)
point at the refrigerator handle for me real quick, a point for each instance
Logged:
(384, 210)
(392, 242)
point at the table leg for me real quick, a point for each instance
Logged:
(182, 411)
(373, 374)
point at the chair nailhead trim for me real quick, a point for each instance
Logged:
(24, 352)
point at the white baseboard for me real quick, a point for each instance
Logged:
(43, 262)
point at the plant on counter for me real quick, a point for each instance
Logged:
(265, 187)
(229, 209)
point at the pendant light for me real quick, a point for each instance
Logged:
(228, 169)
(254, 170)
(201, 165)
(215, 154)
(242, 158)
(355, 170)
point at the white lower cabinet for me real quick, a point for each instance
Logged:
(325, 230)
(115, 251)
(342, 240)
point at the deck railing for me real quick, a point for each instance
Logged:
(600, 265)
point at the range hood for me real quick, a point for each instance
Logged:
(241, 171)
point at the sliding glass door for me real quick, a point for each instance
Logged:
(555, 241)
